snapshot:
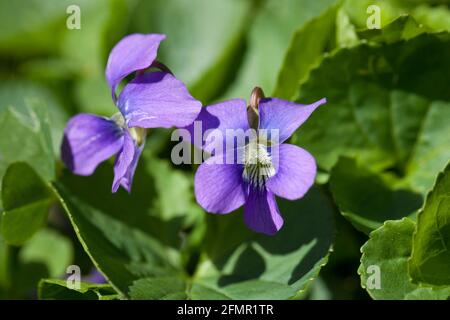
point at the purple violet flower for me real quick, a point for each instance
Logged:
(95, 276)
(150, 100)
(268, 168)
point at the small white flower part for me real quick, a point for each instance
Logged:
(138, 134)
(118, 119)
(258, 166)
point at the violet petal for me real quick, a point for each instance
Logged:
(157, 99)
(219, 187)
(230, 114)
(261, 213)
(284, 116)
(295, 172)
(132, 53)
(126, 163)
(88, 141)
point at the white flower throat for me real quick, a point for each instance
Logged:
(258, 166)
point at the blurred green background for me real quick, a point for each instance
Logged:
(220, 49)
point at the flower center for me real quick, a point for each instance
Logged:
(118, 119)
(258, 167)
(138, 134)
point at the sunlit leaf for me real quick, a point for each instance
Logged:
(365, 199)
(240, 264)
(431, 256)
(384, 264)
(26, 201)
(50, 289)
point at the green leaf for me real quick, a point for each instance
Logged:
(315, 39)
(346, 35)
(434, 17)
(365, 199)
(319, 290)
(366, 116)
(430, 259)
(269, 36)
(18, 94)
(5, 279)
(30, 27)
(50, 289)
(388, 249)
(431, 14)
(204, 38)
(50, 248)
(26, 201)
(305, 52)
(212, 288)
(25, 135)
(162, 288)
(432, 149)
(46, 254)
(172, 184)
(354, 122)
(402, 28)
(408, 112)
(240, 264)
(130, 236)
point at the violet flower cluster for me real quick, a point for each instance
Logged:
(150, 100)
(263, 166)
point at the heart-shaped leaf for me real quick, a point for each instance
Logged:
(26, 200)
(431, 254)
(366, 200)
(377, 102)
(47, 254)
(384, 264)
(240, 264)
(427, 13)
(130, 236)
(25, 135)
(19, 94)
